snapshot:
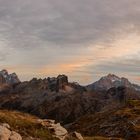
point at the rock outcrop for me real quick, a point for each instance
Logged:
(7, 134)
(60, 132)
(62, 80)
(55, 128)
(6, 78)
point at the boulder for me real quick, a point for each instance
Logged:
(59, 131)
(4, 133)
(15, 136)
(7, 134)
(55, 128)
(6, 125)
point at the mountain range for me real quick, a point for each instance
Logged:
(78, 108)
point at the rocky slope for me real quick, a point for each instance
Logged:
(121, 122)
(54, 98)
(64, 106)
(7, 134)
(58, 99)
(17, 126)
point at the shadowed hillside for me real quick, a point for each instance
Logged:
(123, 121)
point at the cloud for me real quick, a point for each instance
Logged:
(66, 22)
(80, 37)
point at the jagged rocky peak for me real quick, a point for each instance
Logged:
(112, 77)
(4, 72)
(50, 83)
(62, 80)
(110, 81)
(6, 78)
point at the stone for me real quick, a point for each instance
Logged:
(6, 125)
(55, 128)
(4, 133)
(15, 136)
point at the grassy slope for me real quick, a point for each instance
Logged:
(25, 124)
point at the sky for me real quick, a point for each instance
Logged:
(84, 39)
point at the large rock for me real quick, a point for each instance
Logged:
(55, 128)
(4, 133)
(7, 134)
(59, 131)
(15, 136)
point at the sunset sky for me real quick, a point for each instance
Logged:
(84, 39)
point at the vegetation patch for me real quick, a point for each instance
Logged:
(25, 124)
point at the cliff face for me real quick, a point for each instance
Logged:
(8, 81)
(6, 78)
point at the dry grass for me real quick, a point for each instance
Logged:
(25, 124)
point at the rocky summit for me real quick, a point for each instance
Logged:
(7, 134)
(106, 109)
(11, 79)
(110, 81)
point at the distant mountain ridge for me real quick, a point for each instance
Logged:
(110, 81)
(104, 83)
(61, 82)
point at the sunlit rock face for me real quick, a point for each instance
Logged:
(7, 134)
